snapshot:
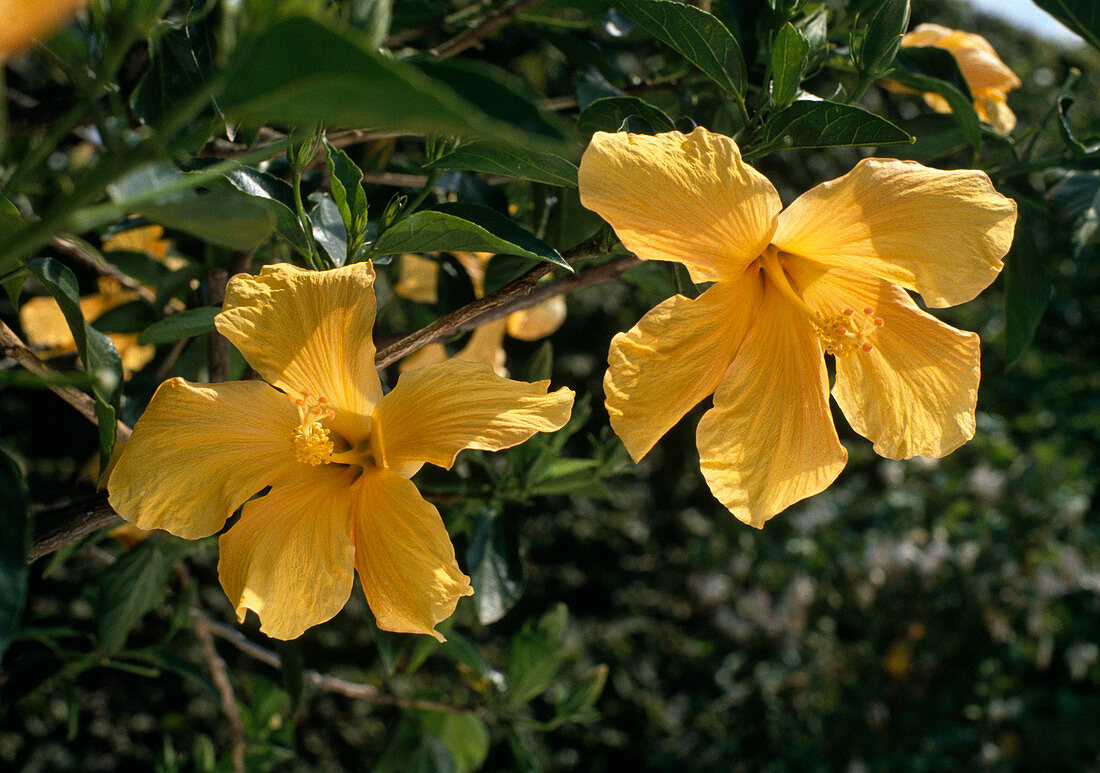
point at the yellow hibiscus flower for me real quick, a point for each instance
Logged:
(336, 453)
(987, 77)
(28, 20)
(824, 275)
(419, 282)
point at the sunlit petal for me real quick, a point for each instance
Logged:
(435, 412)
(44, 325)
(24, 22)
(940, 233)
(769, 440)
(486, 345)
(309, 331)
(148, 239)
(199, 451)
(977, 59)
(674, 357)
(289, 558)
(418, 280)
(537, 321)
(684, 198)
(403, 555)
(914, 393)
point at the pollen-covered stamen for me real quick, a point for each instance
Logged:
(311, 441)
(849, 331)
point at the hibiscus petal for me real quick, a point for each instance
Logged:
(769, 440)
(309, 331)
(684, 198)
(486, 345)
(435, 412)
(289, 558)
(914, 393)
(940, 233)
(404, 555)
(537, 321)
(199, 451)
(419, 280)
(674, 357)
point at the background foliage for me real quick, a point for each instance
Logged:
(917, 615)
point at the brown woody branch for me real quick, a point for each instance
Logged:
(483, 29)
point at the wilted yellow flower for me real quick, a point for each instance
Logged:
(46, 328)
(987, 77)
(419, 281)
(24, 21)
(822, 276)
(336, 453)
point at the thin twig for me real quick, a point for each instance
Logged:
(13, 346)
(220, 675)
(483, 29)
(73, 524)
(220, 148)
(328, 683)
(506, 296)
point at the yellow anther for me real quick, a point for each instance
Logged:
(311, 441)
(848, 331)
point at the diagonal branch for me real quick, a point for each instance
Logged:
(483, 29)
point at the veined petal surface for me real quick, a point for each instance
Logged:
(404, 555)
(978, 61)
(683, 198)
(940, 233)
(290, 558)
(309, 331)
(769, 440)
(674, 357)
(437, 411)
(914, 393)
(199, 451)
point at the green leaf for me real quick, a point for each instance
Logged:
(301, 72)
(132, 317)
(932, 69)
(535, 657)
(10, 222)
(184, 324)
(465, 736)
(820, 124)
(1027, 293)
(328, 228)
(485, 158)
(694, 34)
(465, 227)
(15, 526)
(292, 671)
(610, 114)
(130, 588)
(883, 37)
(497, 571)
(1081, 16)
(172, 73)
(788, 60)
(564, 476)
(277, 197)
(96, 350)
(1075, 200)
(577, 706)
(346, 183)
(504, 269)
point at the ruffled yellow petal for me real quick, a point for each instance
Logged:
(684, 198)
(940, 233)
(24, 21)
(289, 558)
(435, 412)
(486, 345)
(538, 321)
(404, 556)
(309, 331)
(46, 328)
(769, 440)
(199, 451)
(135, 355)
(993, 109)
(977, 59)
(147, 239)
(674, 357)
(418, 280)
(428, 355)
(914, 393)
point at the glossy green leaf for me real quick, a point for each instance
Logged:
(129, 589)
(346, 183)
(303, 73)
(533, 165)
(10, 222)
(696, 35)
(496, 566)
(820, 124)
(1027, 293)
(467, 227)
(578, 704)
(788, 60)
(1081, 16)
(883, 37)
(173, 74)
(466, 737)
(96, 350)
(184, 324)
(1075, 201)
(611, 113)
(15, 525)
(932, 69)
(277, 197)
(327, 224)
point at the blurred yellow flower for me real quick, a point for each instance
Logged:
(336, 453)
(824, 275)
(988, 78)
(418, 282)
(24, 21)
(45, 325)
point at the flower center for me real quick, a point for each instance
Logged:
(311, 442)
(842, 333)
